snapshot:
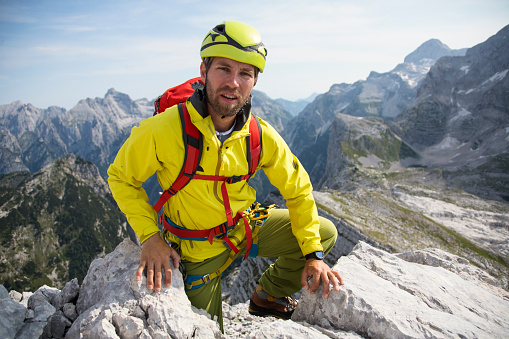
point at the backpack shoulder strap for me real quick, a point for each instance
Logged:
(254, 144)
(193, 145)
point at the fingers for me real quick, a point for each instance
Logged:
(154, 275)
(320, 272)
(139, 271)
(155, 258)
(304, 279)
(176, 258)
(316, 283)
(150, 277)
(158, 275)
(339, 278)
(326, 286)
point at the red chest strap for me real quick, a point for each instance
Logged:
(193, 150)
(192, 145)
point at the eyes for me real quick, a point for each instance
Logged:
(226, 70)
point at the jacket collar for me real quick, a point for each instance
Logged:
(199, 102)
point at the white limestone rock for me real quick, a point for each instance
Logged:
(238, 323)
(112, 303)
(387, 297)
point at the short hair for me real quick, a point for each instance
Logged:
(208, 61)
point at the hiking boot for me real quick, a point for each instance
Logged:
(264, 305)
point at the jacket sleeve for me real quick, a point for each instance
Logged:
(286, 173)
(135, 162)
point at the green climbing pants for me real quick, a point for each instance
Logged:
(275, 239)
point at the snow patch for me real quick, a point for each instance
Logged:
(462, 113)
(411, 81)
(496, 77)
(448, 143)
(427, 62)
(465, 69)
(466, 92)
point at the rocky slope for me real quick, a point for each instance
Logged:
(54, 223)
(412, 295)
(368, 184)
(270, 111)
(460, 119)
(381, 94)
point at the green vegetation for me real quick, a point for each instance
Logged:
(58, 228)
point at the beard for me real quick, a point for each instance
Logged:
(220, 107)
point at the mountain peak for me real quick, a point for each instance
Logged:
(432, 49)
(111, 91)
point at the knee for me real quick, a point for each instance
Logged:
(328, 231)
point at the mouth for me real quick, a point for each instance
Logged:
(229, 98)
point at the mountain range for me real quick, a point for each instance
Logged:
(394, 157)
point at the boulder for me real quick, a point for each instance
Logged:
(385, 296)
(113, 304)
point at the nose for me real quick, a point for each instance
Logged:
(233, 79)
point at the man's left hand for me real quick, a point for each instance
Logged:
(320, 271)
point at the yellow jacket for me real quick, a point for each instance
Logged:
(156, 146)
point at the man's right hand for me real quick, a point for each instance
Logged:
(155, 255)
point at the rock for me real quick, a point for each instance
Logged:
(4, 294)
(460, 266)
(15, 295)
(68, 294)
(39, 302)
(128, 327)
(31, 330)
(25, 297)
(70, 311)
(12, 315)
(386, 296)
(111, 299)
(238, 323)
(57, 325)
(97, 326)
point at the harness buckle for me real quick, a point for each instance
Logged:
(206, 278)
(234, 179)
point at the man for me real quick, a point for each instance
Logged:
(232, 55)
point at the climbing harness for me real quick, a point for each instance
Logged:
(256, 213)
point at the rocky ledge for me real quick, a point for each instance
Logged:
(411, 295)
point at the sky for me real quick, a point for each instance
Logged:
(55, 53)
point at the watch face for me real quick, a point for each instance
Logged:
(315, 255)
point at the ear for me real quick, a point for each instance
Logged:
(203, 71)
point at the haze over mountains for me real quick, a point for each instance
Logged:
(414, 158)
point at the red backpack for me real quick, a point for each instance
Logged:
(193, 145)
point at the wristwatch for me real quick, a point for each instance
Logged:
(318, 255)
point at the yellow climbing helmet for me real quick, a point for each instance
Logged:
(235, 40)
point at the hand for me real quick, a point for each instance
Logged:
(320, 271)
(155, 255)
